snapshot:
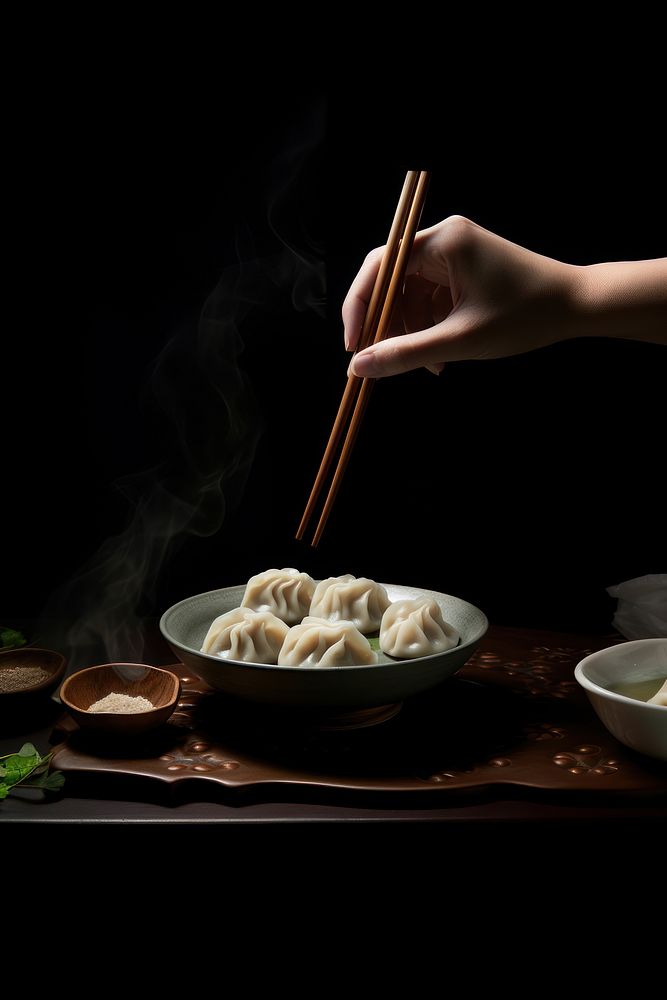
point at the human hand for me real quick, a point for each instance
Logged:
(469, 294)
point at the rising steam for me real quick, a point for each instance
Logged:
(213, 426)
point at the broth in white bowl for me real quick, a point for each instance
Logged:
(613, 678)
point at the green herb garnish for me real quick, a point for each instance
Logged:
(15, 768)
(374, 642)
(11, 638)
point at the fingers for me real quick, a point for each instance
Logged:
(428, 348)
(429, 258)
(358, 297)
(424, 258)
(423, 304)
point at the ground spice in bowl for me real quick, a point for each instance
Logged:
(120, 699)
(121, 704)
(15, 677)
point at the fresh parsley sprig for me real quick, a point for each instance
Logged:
(11, 638)
(16, 768)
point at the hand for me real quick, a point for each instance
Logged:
(468, 295)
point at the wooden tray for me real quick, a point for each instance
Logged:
(513, 716)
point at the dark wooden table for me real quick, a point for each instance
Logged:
(506, 656)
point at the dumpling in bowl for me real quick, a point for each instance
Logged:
(660, 697)
(415, 628)
(286, 593)
(319, 643)
(242, 634)
(348, 598)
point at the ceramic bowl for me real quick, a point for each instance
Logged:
(185, 625)
(84, 688)
(29, 656)
(635, 723)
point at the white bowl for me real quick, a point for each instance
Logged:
(635, 723)
(185, 624)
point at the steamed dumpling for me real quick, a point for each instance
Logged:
(415, 628)
(347, 598)
(286, 593)
(660, 697)
(319, 643)
(242, 634)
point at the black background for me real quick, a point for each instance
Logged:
(526, 485)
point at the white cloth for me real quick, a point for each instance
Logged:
(641, 612)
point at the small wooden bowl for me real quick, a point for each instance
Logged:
(84, 688)
(29, 656)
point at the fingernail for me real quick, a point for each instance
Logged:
(364, 365)
(347, 341)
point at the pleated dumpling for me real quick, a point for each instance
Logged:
(319, 643)
(348, 598)
(286, 593)
(660, 697)
(243, 634)
(415, 628)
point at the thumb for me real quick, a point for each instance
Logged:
(426, 348)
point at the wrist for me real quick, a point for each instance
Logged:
(584, 300)
(625, 299)
(571, 297)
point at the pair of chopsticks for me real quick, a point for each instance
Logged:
(388, 284)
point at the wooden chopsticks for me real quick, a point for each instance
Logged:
(388, 284)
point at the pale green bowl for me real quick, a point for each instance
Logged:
(185, 624)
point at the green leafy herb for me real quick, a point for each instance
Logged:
(15, 768)
(10, 638)
(374, 642)
(50, 782)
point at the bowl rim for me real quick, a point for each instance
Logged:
(120, 715)
(589, 685)
(314, 669)
(54, 675)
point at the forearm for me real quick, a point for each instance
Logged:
(627, 300)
